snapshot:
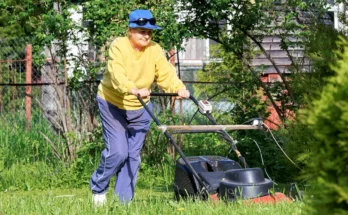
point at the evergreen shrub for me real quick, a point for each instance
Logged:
(328, 118)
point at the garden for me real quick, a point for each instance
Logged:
(50, 132)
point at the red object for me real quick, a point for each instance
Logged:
(214, 197)
(273, 198)
(28, 79)
(269, 199)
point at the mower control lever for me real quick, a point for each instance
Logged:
(204, 106)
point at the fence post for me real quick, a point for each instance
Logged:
(28, 79)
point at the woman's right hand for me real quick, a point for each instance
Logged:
(142, 92)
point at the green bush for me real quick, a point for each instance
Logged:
(328, 119)
(298, 139)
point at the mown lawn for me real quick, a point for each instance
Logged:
(147, 201)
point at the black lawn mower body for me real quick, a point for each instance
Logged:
(223, 176)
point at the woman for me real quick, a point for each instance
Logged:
(133, 65)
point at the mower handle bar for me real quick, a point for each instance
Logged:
(175, 94)
(208, 115)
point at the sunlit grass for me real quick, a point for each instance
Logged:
(147, 201)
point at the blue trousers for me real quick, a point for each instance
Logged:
(124, 133)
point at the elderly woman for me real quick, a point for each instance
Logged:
(133, 65)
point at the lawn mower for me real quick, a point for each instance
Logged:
(216, 177)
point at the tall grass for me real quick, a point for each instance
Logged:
(27, 160)
(20, 145)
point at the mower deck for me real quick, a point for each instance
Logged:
(224, 177)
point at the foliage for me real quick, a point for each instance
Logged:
(240, 30)
(205, 144)
(107, 22)
(239, 89)
(297, 136)
(156, 149)
(320, 47)
(297, 139)
(328, 120)
(234, 24)
(88, 157)
(10, 28)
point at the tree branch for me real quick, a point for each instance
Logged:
(281, 74)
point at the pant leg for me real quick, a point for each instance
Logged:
(116, 148)
(139, 123)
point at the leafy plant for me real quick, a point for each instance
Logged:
(241, 25)
(328, 120)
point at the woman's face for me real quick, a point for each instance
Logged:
(140, 37)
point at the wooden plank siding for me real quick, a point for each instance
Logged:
(195, 49)
(197, 54)
(272, 45)
(281, 57)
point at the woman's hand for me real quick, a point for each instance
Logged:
(182, 93)
(142, 92)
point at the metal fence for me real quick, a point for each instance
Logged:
(36, 98)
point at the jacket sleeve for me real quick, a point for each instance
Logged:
(116, 68)
(166, 75)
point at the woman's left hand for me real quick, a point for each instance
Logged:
(182, 93)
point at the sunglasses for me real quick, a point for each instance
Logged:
(143, 21)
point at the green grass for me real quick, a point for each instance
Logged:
(147, 201)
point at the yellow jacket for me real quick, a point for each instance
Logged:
(127, 69)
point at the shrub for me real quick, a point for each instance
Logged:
(328, 118)
(298, 139)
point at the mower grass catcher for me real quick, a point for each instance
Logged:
(217, 177)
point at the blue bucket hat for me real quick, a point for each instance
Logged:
(142, 19)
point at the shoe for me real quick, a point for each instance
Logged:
(99, 199)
